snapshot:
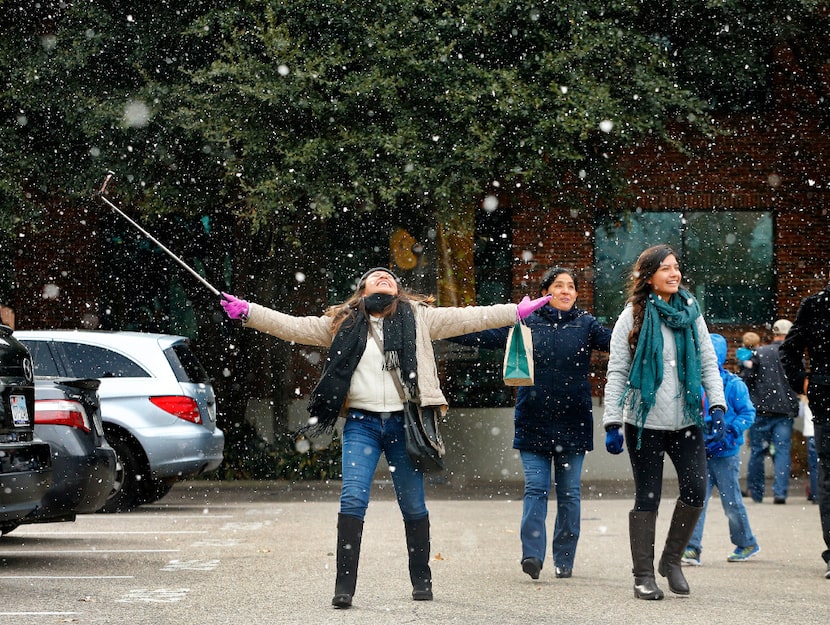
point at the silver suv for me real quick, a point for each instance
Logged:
(157, 404)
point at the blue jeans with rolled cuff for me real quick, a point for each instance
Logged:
(566, 468)
(724, 475)
(365, 436)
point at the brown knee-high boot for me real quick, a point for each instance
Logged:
(641, 530)
(682, 527)
(349, 537)
(417, 543)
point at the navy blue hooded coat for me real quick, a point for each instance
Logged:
(555, 414)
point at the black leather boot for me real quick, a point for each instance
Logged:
(349, 536)
(417, 543)
(641, 529)
(682, 527)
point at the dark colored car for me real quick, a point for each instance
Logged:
(25, 461)
(68, 417)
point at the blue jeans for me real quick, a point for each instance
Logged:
(724, 475)
(812, 467)
(777, 431)
(365, 437)
(567, 472)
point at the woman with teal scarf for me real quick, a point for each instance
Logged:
(660, 356)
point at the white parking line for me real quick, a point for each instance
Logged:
(103, 532)
(218, 542)
(191, 565)
(24, 551)
(158, 595)
(67, 576)
(242, 527)
(206, 515)
(39, 613)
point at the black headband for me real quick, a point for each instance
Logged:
(362, 280)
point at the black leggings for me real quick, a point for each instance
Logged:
(688, 455)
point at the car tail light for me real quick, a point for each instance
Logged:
(61, 412)
(183, 407)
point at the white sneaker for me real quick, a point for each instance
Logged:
(691, 557)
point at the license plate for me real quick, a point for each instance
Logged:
(20, 415)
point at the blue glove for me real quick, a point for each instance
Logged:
(614, 440)
(730, 439)
(713, 448)
(718, 427)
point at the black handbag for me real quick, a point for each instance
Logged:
(424, 444)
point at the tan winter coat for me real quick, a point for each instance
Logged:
(431, 323)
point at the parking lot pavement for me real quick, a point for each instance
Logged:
(244, 554)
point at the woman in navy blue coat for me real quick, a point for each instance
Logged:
(554, 424)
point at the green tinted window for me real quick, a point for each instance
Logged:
(726, 259)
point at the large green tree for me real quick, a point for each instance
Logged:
(268, 114)
(332, 106)
(320, 106)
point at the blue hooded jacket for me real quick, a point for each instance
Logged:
(556, 413)
(740, 413)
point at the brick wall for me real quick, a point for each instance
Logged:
(555, 233)
(56, 267)
(777, 163)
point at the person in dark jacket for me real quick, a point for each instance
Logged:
(554, 424)
(776, 407)
(811, 332)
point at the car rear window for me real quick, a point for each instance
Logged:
(90, 361)
(185, 364)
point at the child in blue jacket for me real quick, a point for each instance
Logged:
(723, 465)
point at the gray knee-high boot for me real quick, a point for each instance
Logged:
(682, 527)
(417, 543)
(349, 537)
(641, 530)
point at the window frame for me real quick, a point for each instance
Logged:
(742, 251)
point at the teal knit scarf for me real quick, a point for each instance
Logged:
(646, 372)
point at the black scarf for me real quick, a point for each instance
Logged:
(348, 346)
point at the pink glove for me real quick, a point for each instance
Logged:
(527, 305)
(234, 307)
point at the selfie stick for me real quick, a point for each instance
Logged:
(110, 174)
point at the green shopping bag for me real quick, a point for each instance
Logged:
(518, 356)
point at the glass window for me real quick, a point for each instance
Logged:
(474, 376)
(42, 359)
(90, 361)
(185, 364)
(726, 259)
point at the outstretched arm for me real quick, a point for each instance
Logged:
(487, 339)
(308, 330)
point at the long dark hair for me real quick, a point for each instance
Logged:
(639, 289)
